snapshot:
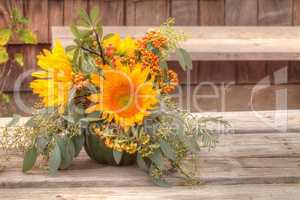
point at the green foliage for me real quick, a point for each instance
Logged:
(55, 160)
(30, 159)
(117, 156)
(5, 34)
(184, 59)
(27, 36)
(19, 58)
(3, 55)
(141, 163)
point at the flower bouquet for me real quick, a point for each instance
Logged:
(112, 96)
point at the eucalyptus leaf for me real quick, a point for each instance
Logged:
(168, 150)
(55, 160)
(157, 159)
(117, 156)
(29, 159)
(15, 119)
(78, 141)
(141, 163)
(184, 59)
(41, 143)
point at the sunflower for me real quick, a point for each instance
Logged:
(56, 78)
(126, 95)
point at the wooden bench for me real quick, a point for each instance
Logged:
(258, 158)
(221, 43)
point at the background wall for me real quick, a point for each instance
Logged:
(47, 13)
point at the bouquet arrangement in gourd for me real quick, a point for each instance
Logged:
(112, 96)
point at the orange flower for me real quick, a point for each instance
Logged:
(126, 96)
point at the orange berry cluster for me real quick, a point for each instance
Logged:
(170, 87)
(157, 40)
(80, 81)
(147, 56)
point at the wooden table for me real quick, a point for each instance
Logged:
(252, 161)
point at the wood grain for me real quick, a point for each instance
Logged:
(241, 12)
(239, 159)
(275, 12)
(212, 12)
(71, 9)
(223, 43)
(112, 12)
(37, 12)
(56, 11)
(146, 12)
(179, 11)
(216, 192)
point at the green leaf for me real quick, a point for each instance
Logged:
(4, 97)
(168, 150)
(163, 64)
(184, 59)
(78, 141)
(141, 163)
(18, 18)
(117, 156)
(160, 182)
(67, 150)
(108, 36)
(15, 119)
(27, 36)
(85, 17)
(5, 34)
(29, 159)
(3, 55)
(41, 143)
(157, 159)
(95, 15)
(18, 58)
(55, 160)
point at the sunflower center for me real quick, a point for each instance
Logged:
(124, 100)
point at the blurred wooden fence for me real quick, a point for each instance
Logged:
(47, 13)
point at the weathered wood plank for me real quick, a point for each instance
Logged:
(241, 12)
(56, 15)
(212, 12)
(271, 13)
(37, 12)
(112, 12)
(71, 9)
(146, 12)
(294, 69)
(185, 12)
(247, 72)
(251, 72)
(224, 43)
(238, 159)
(216, 192)
(275, 12)
(248, 122)
(216, 72)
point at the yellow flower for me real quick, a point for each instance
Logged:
(125, 46)
(126, 95)
(55, 80)
(113, 41)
